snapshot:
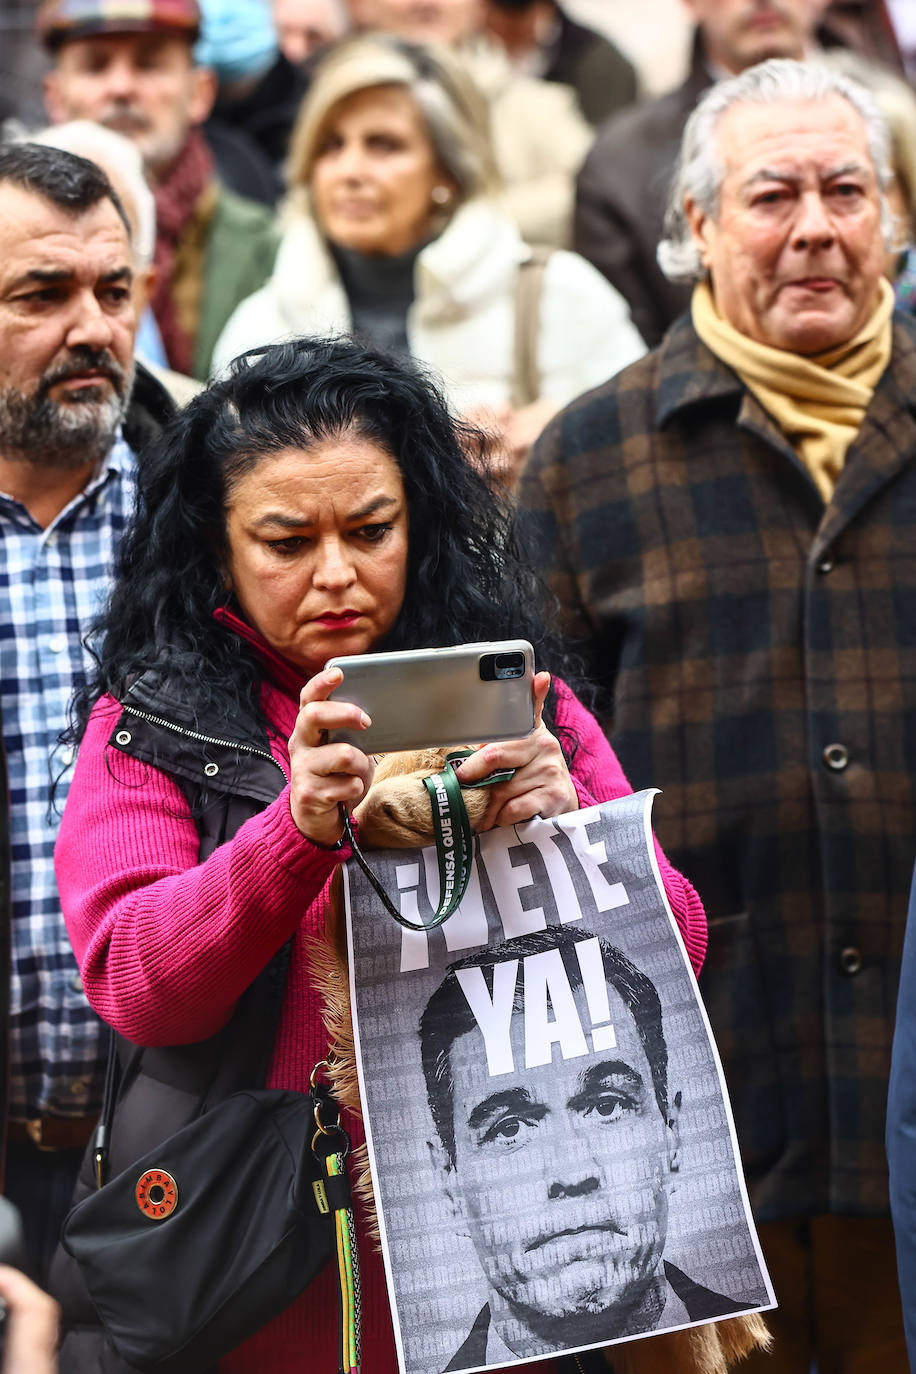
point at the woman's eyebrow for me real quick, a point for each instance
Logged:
(285, 521)
(380, 503)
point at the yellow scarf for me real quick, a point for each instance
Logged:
(819, 402)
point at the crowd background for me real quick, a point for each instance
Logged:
(655, 37)
(239, 217)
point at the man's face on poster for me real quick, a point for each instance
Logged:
(561, 1177)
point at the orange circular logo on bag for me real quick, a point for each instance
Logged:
(157, 1194)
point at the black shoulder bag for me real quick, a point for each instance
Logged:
(185, 1248)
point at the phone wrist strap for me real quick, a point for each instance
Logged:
(454, 843)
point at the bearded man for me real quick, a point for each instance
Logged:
(130, 65)
(73, 414)
(729, 524)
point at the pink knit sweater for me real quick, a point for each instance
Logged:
(166, 946)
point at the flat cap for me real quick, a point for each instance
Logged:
(61, 20)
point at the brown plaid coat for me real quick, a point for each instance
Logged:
(759, 652)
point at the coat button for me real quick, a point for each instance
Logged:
(850, 961)
(836, 757)
(211, 769)
(825, 564)
(122, 737)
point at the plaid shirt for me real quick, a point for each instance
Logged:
(53, 582)
(759, 651)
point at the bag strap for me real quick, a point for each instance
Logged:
(526, 383)
(102, 1137)
(235, 1057)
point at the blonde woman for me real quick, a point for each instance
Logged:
(393, 232)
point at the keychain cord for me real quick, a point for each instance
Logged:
(454, 842)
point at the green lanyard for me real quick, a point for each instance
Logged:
(454, 842)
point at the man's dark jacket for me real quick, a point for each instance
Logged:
(603, 79)
(759, 654)
(620, 201)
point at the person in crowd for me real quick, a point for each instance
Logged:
(130, 66)
(30, 1326)
(896, 100)
(621, 188)
(318, 502)
(258, 91)
(540, 136)
(73, 415)
(393, 231)
(586, 1256)
(728, 527)
(542, 40)
(121, 162)
(901, 1114)
(306, 27)
(882, 31)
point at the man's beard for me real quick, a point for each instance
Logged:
(158, 149)
(66, 434)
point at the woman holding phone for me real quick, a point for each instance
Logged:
(316, 503)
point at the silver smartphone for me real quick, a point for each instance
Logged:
(427, 698)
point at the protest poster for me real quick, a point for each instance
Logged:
(553, 1153)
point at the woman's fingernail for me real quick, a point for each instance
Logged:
(364, 720)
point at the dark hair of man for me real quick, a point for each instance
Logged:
(73, 184)
(465, 580)
(447, 1014)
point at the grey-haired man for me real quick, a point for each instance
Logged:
(729, 525)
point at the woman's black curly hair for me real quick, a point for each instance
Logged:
(465, 579)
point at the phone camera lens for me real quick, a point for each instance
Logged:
(501, 667)
(509, 666)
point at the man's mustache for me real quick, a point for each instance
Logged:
(82, 360)
(123, 116)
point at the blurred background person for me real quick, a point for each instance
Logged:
(897, 102)
(393, 231)
(258, 88)
(306, 27)
(623, 184)
(542, 40)
(129, 65)
(883, 31)
(540, 136)
(902, 14)
(238, 45)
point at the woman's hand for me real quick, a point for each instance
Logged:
(324, 775)
(541, 785)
